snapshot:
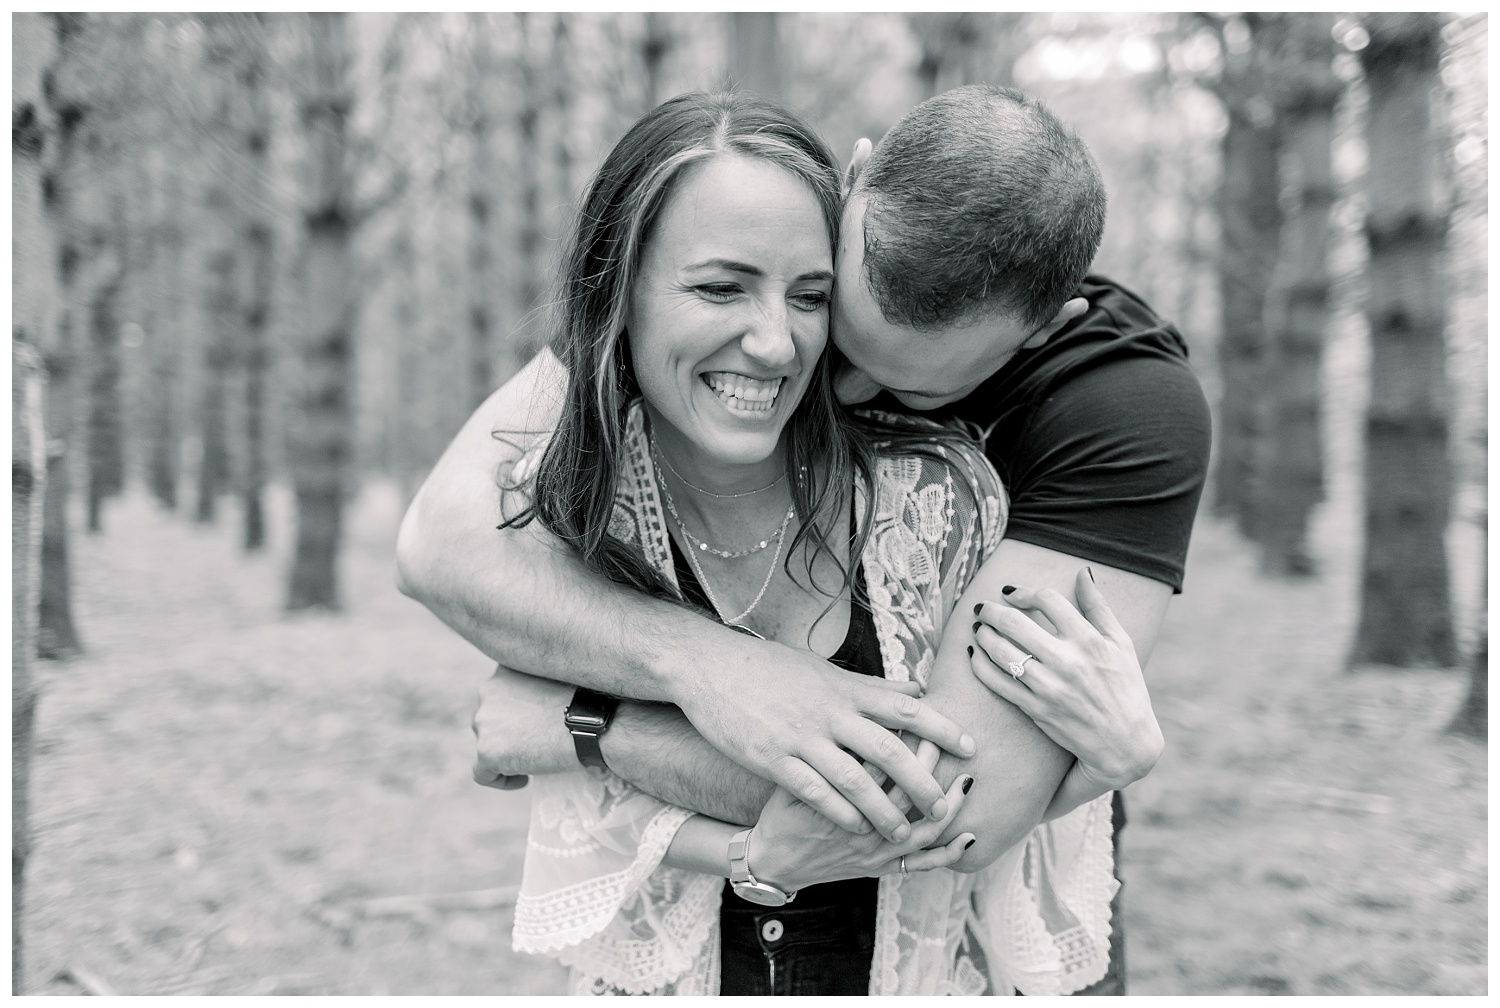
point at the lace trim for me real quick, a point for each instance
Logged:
(564, 917)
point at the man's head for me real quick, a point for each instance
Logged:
(964, 235)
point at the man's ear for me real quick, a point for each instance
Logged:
(862, 149)
(1067, 313)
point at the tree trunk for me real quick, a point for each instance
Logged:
(967, 48)
(482, 282)
(1406, 617)
(1297, 312)
(530, 258)
(33, 291)
(656, 42)
(57, 636)
(323, 443)
(755, 54)
(28, 480)
(259, 237)
(1250, 223)
(106, 460)
(223, 312)
(164, 343)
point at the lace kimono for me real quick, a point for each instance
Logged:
(595, 894)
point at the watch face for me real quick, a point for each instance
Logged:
(583, 719)
(764, 895)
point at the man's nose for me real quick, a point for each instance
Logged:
(768, 337)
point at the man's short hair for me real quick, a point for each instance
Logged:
(979, 199)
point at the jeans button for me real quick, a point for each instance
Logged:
(772, 930)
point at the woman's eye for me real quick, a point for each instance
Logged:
(810, 300)
(718, 292)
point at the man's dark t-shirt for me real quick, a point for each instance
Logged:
(1100, 436)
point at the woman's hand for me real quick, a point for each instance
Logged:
(1081, 685)
(794, 846)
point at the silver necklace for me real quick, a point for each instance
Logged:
(704, 547)
(708, 589)
(708, 493)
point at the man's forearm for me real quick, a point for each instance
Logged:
(656, 748)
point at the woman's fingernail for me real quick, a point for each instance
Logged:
(1007, 589)
(971, 650)
(1091, 575)
(970, 843)
(968, 783)
(975, 627)
(977, 608)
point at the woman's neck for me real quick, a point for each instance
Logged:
(720, 502)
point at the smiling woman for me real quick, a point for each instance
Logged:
(729, 317)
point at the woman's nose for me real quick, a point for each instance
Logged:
(768, 337)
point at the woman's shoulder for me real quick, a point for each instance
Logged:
(914, 452)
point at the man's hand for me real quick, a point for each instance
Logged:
(519, 729)
(789, 716)
(1082, 685)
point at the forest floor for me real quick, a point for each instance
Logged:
(220, 790)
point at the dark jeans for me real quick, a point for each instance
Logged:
(827, 950)
(786, 950)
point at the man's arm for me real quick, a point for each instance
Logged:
(519, 731)
(1018, 769)
(526, 601)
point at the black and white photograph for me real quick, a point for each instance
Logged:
(759, 504)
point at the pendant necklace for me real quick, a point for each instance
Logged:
(779, 535)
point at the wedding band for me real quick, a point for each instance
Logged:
(1018, 668)
(903, 864)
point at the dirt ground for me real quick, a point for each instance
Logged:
(219, 790)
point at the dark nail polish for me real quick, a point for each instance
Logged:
(1091, 575)
(968, 783)
(971, 650)
(975, 627)
(1007, 589)
(977, 608)
(970, 843)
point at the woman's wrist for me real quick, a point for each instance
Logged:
(765, 866)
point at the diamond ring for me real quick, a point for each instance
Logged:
(1018, 668)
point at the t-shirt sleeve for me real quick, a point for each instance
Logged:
(1110, 467)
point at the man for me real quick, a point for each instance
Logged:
(961, 291)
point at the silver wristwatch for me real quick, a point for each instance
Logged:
(745, 884)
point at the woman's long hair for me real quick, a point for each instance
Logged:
(572, 493)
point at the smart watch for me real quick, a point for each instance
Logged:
(746, 886)
(587, 718)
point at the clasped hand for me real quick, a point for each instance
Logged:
(793, 846)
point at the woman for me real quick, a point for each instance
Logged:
(721, 472)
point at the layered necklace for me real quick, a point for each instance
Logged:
(700, 546)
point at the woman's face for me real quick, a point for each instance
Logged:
(730, 312)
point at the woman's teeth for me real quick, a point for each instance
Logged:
(740, 393)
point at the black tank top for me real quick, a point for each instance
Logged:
(860, 652)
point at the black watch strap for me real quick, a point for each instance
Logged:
(587, 718)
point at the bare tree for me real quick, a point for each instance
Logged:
(530, 259)
(223, 309)
(107, 253)
(967, 48)
(1290, 464)
(1406, 615)
(322, 441)
(1250, 232)
(259, 233)
(756, 62)
(656, 43)
(68, 107)
(33, 291)
(482, 281)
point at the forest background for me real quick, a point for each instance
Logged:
(265, 265)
